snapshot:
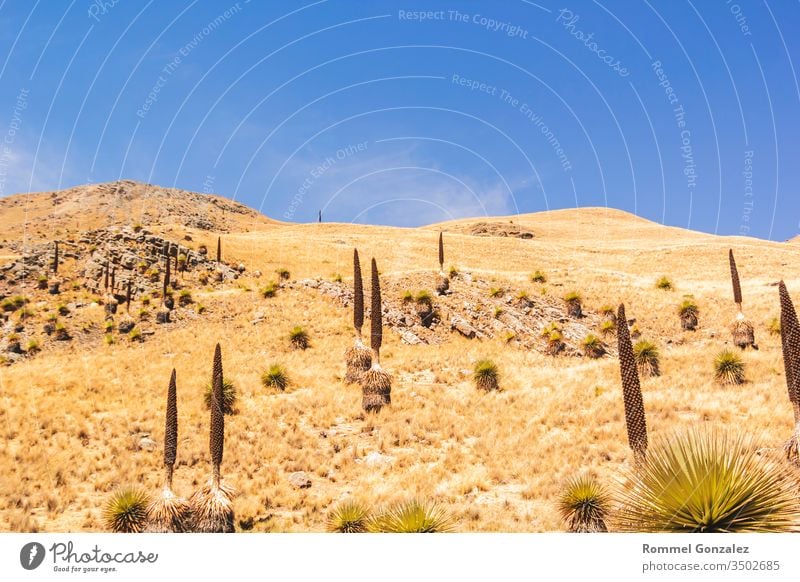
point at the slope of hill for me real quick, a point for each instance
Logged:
(84, 416)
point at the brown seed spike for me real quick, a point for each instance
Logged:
(55, 259)
(737, 288)
(631, 389)
(219, 249)
(790, 342)
(376, 336)
(358, 295)
(167, 276)
(128, 294)
(171, 427)
(441, 253)
(217, 436)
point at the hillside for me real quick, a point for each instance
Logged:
(83, 416)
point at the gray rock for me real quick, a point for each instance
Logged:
(300, 480)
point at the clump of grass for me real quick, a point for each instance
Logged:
(229, 396)
(424, 299)
(407, 296)
(349, 517)
(283, 274)
(608, 327)
(495, 292)
(486, 375)
(729, 368)
(593, 346)
(275, 377)
(109, 325)
(774, 326)
(185, 298)
(337, 278)
(269, 290)
(554, 342)
(584, 505)
(709, 482)
(135, 335)
(647, 358)
(108, 339)
(13, 303)
(453, 272)
(538, 277)
(688, 313)
(33, 346)
(523, 299)
(413, 517)
(298, 337)
(126, 511)
(498, 311)
(664, 283)
(574, 303)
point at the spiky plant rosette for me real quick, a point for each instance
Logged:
(647, 358)
(584, 505)
(413, 517)
(743, 332)
(709, 482)
(169, 514)
(376, 388)
(358, 359)
(126, 511)
(486, 375)
(348, 517)
(212, 508)
(728, 368)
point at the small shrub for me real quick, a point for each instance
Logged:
(424, 298)
(108, 339)
(283, 274)
(646, 355)
(33, 346)
(495, 292)
(538, 277)
(145, 300)
(729, 368)
(337, 278)
(486, 375)
(135, 335)
(185, 298)
(453, 272)
(774, 326)
(298, 338)
(126, 511)
(593, 346)
(688, 313)
(584, 505)
(200, 308)
(498, 311)
(229, 396)
(407, 297)
(574, 302)
(275, 377)
(270, 290)
(664, 284)
(413, 517)
(349, 517)
(109, 325)
(608, 327)
(709, 482)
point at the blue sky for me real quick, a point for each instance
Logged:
(406, 113)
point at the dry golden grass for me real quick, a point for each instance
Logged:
(496, 461)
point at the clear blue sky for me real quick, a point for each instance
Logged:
(684, 112)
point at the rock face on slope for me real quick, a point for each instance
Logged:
(471, 308)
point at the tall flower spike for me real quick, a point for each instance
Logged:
(631, 390)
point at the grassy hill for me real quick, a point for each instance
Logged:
(82, 417)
